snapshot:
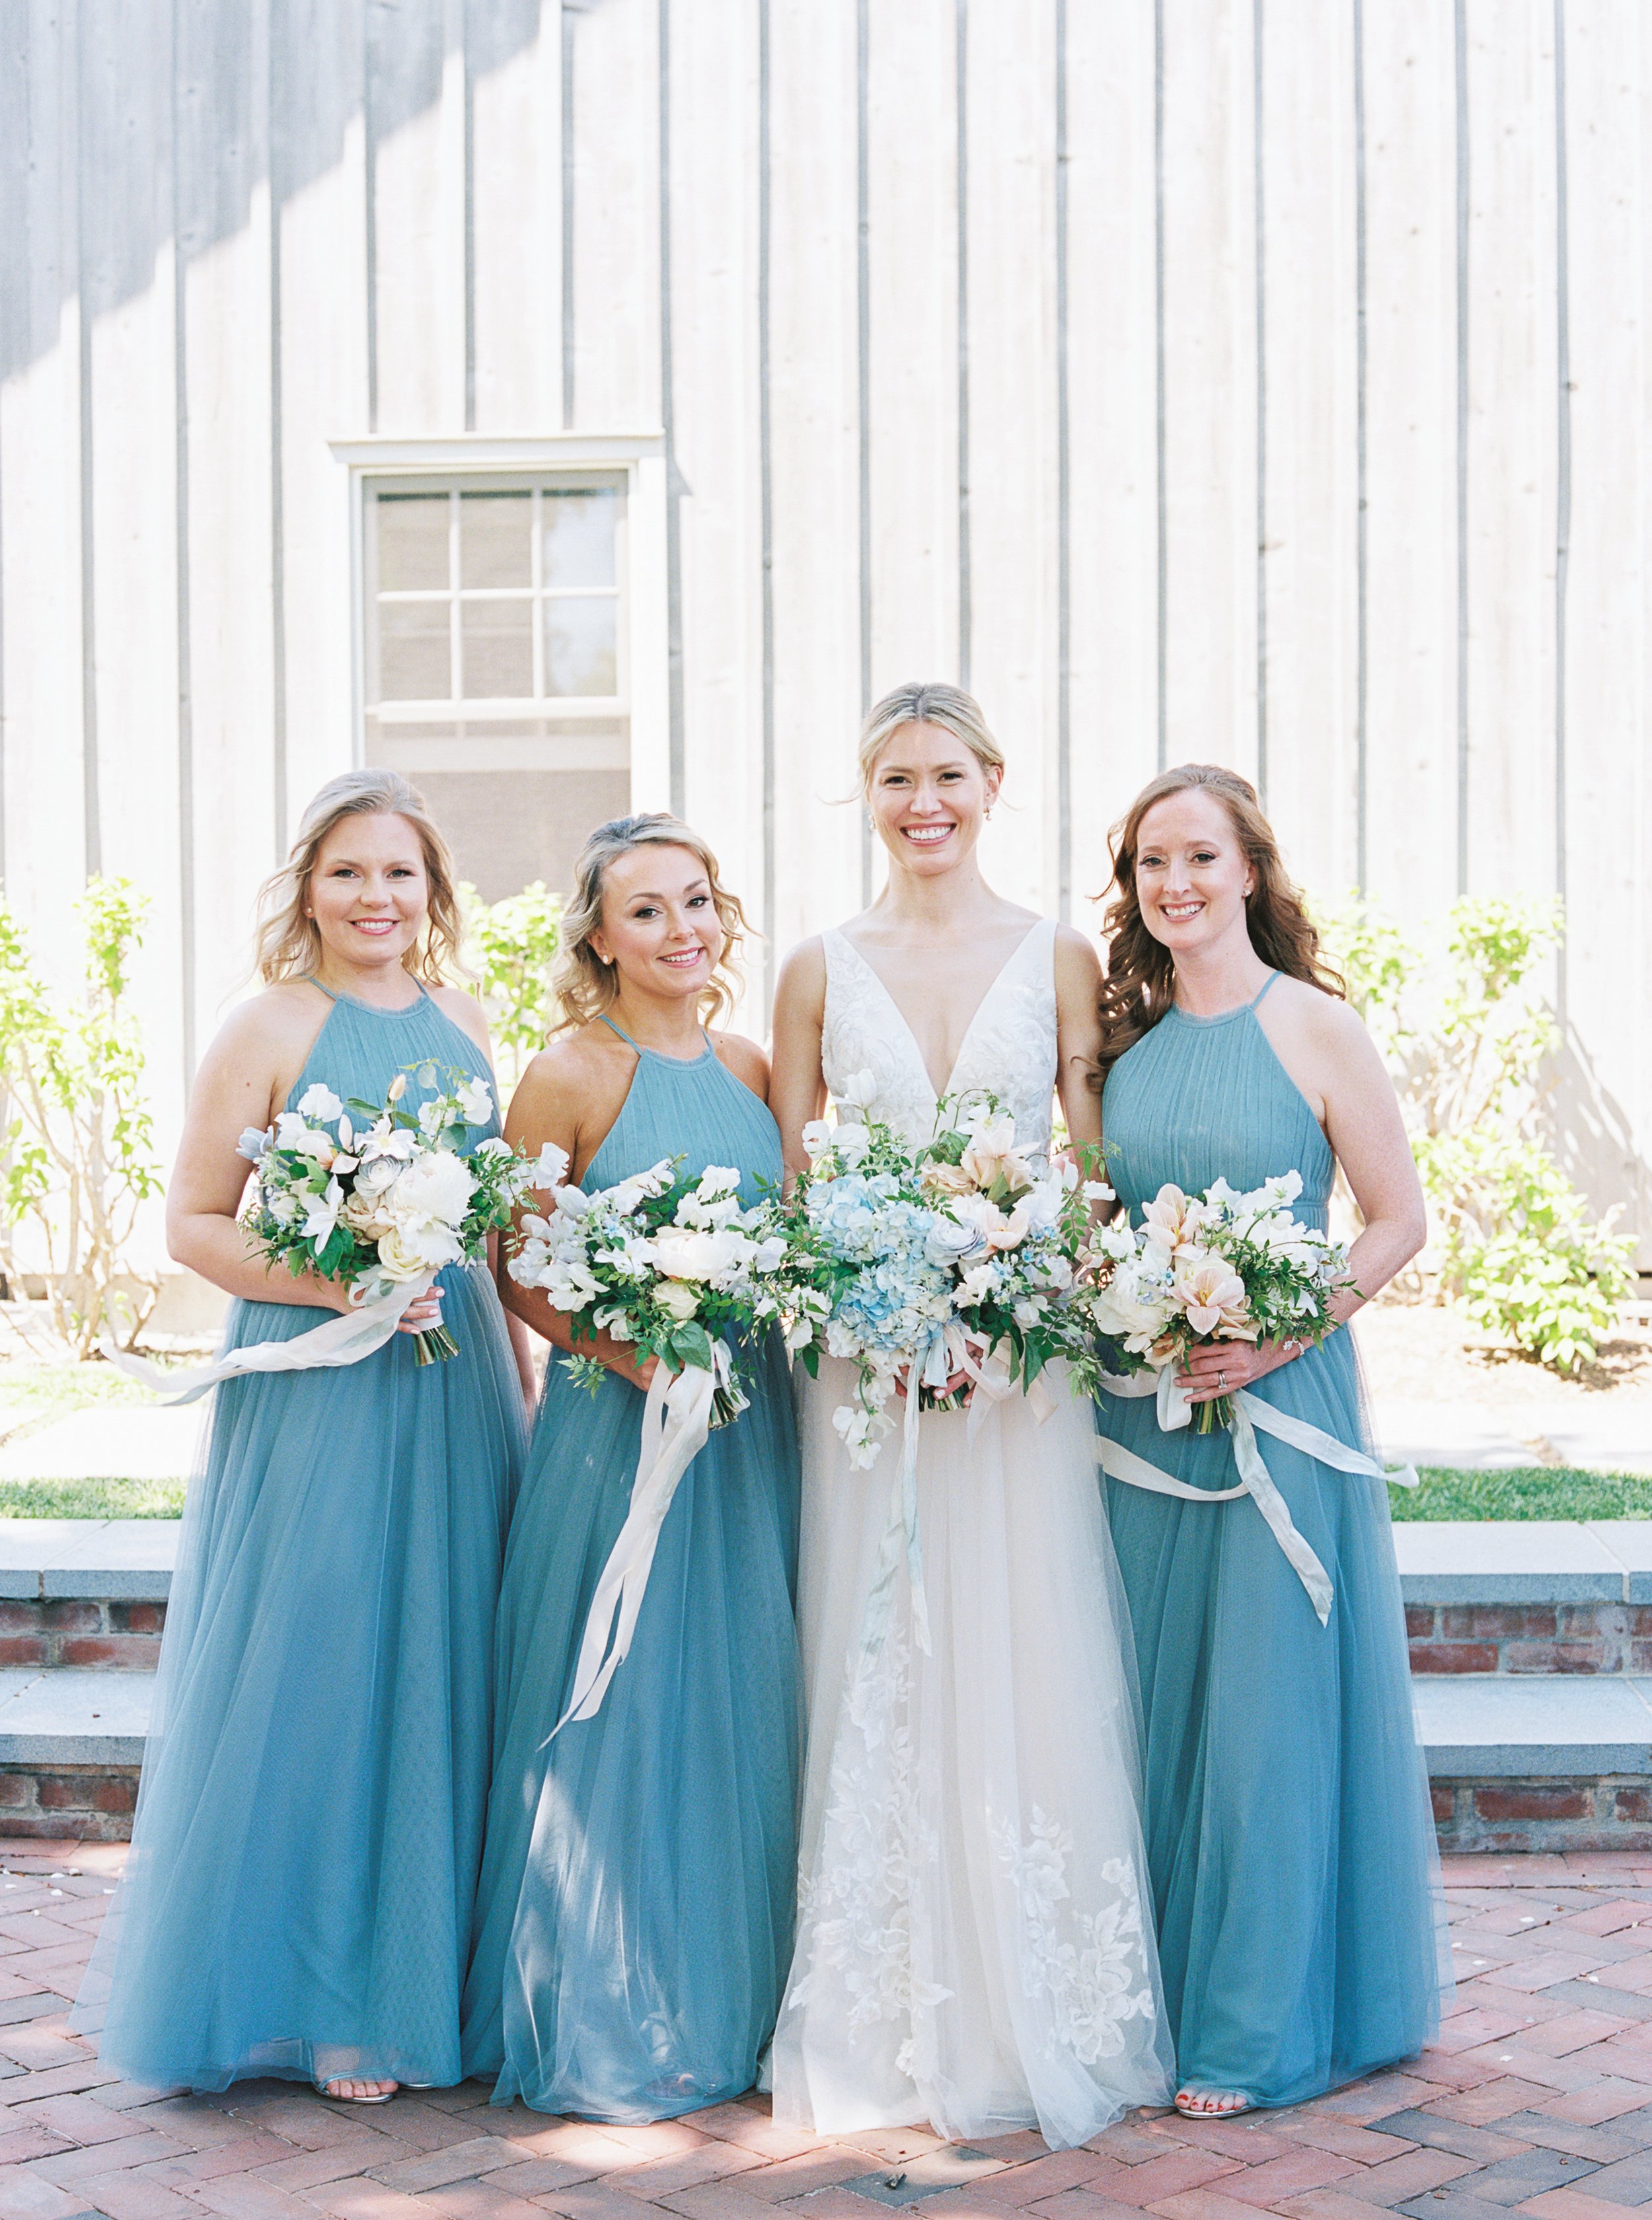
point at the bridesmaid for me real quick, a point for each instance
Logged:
(298, 1898)
(634, 1916)
(1288, 1820)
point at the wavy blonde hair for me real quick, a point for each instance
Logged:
(583, 985)
(288, 945)
(927, 702)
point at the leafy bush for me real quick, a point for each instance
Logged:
(1461, 1021)
(78, 1159)
(513, 943)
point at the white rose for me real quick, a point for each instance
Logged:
(677, 1298)
(398, 1258)
(683, 1253)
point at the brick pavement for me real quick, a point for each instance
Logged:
(1537, 2099)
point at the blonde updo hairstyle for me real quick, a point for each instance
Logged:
(926, 703)
(288, 945)
(583, 984)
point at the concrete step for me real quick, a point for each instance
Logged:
(71, 1743)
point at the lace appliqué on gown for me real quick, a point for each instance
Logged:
(854, 1911)
(1087, 1967)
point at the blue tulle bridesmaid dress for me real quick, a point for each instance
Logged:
(1288, 1822)
(634, 1917)
(298, 1899)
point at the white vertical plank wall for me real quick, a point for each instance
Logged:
(1256, 380)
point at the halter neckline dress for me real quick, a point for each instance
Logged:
(1289, 1825)
(634, 1915)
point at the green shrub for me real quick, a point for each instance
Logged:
(512, 945)
(78, 1160)
(1460, 1017)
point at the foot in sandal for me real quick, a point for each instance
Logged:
(1212, 2103)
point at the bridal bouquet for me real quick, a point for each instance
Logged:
(957, 1255)
(383, 1199)
(669, 1263)
(1207, 1268)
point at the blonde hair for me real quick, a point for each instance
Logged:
(289, 944)
(583, 985)
(925, 703)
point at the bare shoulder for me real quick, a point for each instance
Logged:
(745, 1059)
(1320, 1030)
(578, 1063)
(466, 1012)
(273, 1025)
(1077, 961)
(1325, 1018)
(802, 984)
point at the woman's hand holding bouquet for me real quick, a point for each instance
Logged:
(1210, 1272)
(671, 1266)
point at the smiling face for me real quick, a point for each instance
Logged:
(369, 891)
(928, 795)
(660, 929)
(1192, 875)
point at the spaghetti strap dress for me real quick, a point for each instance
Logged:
(1289, 1830)
(634, 1918)
(298, 1901)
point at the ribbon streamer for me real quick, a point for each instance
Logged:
(676, 1426)
(949, 1349)
(1249, 1413)
(345, 1339)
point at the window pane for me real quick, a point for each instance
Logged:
(579, 536)
(496, 539)
(411, 540)
(579, 645)
(497, 639)
(414, 664)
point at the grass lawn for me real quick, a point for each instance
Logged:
(91, 1498)
(1528, 1492)
(36, 1395)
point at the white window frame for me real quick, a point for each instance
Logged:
(639, 458)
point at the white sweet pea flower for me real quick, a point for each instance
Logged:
(851, 1143)
(319, 1101)
(494, 1147)
(550, 1167)
(1030, 1309)
(475, 1101)
(432, 1115)
(717, 1179)
(1098, 1191)
(980, 1281)
(816, 1138)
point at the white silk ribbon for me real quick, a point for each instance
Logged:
(676, 1426)
(345, 1339)
(949, 1349)
(1249, 1413)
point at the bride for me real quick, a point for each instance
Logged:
(974, 1942)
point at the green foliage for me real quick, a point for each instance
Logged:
(78, 1159)
(1460, 1016)
(91, 1498)
(1529, 1491)
(513, 945)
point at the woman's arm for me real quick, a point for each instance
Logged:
(466, 1012)
(551, 1104)
(1078, 1038)
(1368, 1136)
(797, 1089)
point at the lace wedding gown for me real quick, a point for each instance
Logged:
(974, 1941)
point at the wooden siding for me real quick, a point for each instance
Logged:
(1258, 380)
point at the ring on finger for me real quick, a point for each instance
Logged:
(1221, 1382)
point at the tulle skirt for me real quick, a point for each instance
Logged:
(975, 1939)
(298, 1898)
(634, 1918)
(1289, 1821)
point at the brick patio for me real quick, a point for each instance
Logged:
(1537, 2099)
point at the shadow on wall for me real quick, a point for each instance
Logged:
(1594, 1142)
(89, 192)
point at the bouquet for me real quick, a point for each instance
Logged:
(383, 1199)
(958, 1254)
(669, 1263)
(1206, 1268)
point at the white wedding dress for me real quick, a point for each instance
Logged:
(975, 1942)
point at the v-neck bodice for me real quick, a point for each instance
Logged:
(1009, 1048)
